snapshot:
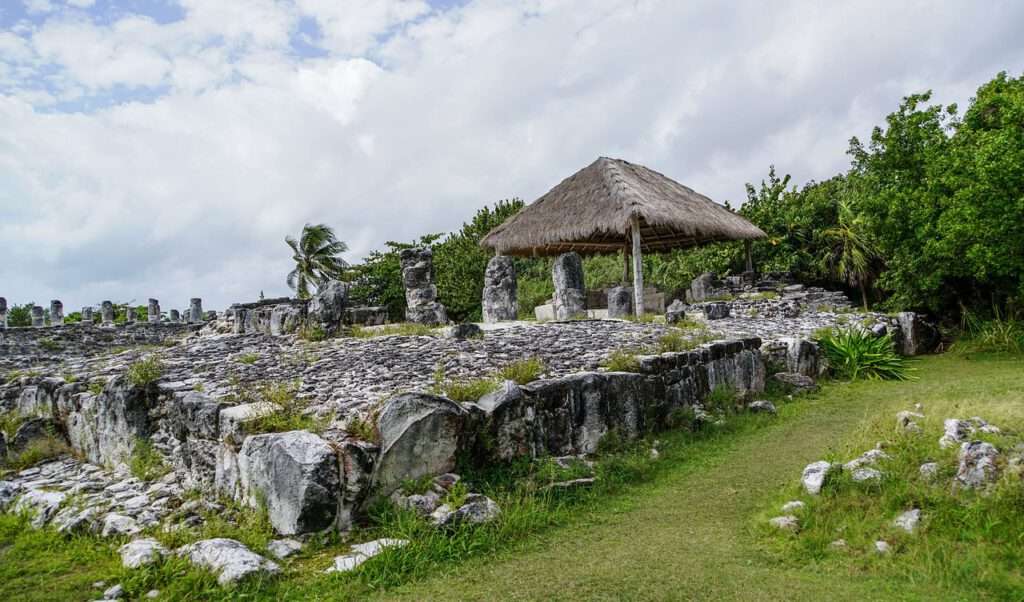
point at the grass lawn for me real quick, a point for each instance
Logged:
(690, 528)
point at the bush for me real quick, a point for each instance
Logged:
(622, 361)
(465, 390)
(998, 335)
(523, 371)
(290, 417)
(854, 353)
(146, 371)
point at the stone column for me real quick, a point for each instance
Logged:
(153, 311)
(421, 302)
(620, 302)
(129, 314)
(195, 310)
(499, 302)
(3, 312)
(107, 313)
(56, 313)
(87, 315)
(567, 274)
(37, 316)
(175, 316)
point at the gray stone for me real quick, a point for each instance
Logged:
(917, 336)
(802, 356)
(107, 313)
(3, 312)
(3, 448)
(793, 506)
(283, 548)
(620, 302)
(882, 547)
(955, 431)
(195, 310)
(906, 422)
(704, 286)
(31, 431)
(113, 592)
(327, 307)
(141, 552)
(419, 437)
(56, 313)
(929, 470)
(296, 475)
(569, 299)
(908, 520)
(717, 310)
(477, 509)
(40, 504)
(864, 475)
(230, 559)
(234, 420)
(153, 311)
(87, 315)
(795, 383)
(38, 320)
(977, 466)
(119, 524)
(421, 302)
(868, 458)
(175, 316)
(153, 594)
(8, 492)
(362, 552)
(762, 406)
(676, 312)
(500, 289)
(814, 476)
(785, 523)
(463, 331)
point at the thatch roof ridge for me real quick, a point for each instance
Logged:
(591, 210)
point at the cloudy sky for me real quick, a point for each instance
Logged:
(164, 148)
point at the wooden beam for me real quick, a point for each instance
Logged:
(750, 256)
(638, 269)
(625, 264)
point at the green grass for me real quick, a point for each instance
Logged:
(622, 361)
(683, 526)
(145, 462)
(291, 416)
(38, 450)
(145, 371)
(50, 345)
(405, 329)
(96, 386)
(470, 389)
(677, 340)
(523, 371)
(248, 358)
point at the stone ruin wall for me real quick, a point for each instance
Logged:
(313, 482)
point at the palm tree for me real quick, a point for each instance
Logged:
(317, 258)
(850, 255)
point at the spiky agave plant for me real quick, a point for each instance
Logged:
(855, 353)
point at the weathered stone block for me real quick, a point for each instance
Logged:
(620, 302)
(569, 299)
(419, 437)
(499, 297)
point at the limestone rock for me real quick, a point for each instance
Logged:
(620, 302)
(31, 431)
(362, 552)
(327, 307)
(786, 523)
(795, 383)
(917, 336)
(296, 475)
(882, 547)
(8, 492)
(476, 510)
(421, 302)
(114, 592)
(500, 289)
(283, 548)
(866, 475)
(419, 437)
(42, 505)
(814, 476)
(233, 420)
(762, 406)
(906, 422)
(717, 310)
(704, 287)
(802, 356)
(908, 520)
(929, 470)
(793, 506)
(569, 299)
(676, 312)
(462, 332)
(141, 552)
(230, 559)
(868, 458)
(119, 524)
(977, 464)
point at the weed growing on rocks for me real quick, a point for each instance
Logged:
(146, 463)
(291, 416)
(523, 371)
(622, 361)
(248, 358)
(405, 329)
(145, 371)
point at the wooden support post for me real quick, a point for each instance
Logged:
(750, 256)
(625, 264)
(638, 269)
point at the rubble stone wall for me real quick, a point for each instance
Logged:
(28, 346)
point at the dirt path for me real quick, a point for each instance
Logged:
(688, 535)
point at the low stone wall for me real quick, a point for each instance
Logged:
(21, 347)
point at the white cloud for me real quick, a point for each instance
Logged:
(81, 3)
(192, 193)
(38, 6)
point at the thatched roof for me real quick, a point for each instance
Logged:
(591, 210)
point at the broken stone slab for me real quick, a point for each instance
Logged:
(882, 547)
(476, 510)
(230, 559)
(362, 552)
(118, 524)
(620, 302)
(419, 437)
(326, 308)
(908, 520)
(283, 548)
(795, 383)
(233, 419)
(977, 466)
(114, 592)
(717, 310)
(569, 299)
(815, 474)
(462, 332)
(788, 523)
(42, 505)
(676, 312)
(296, 476)
(141, 552)
(581, 483)
(929, 470)
(866, 475)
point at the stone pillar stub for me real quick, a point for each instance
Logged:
(195, 310)
(107, 312)
(3, 312)
(570, 298)
(56, 312)
(38, 321)
(422, 306)
(500, 289)
(620, 302)
(153, 311)
(175, 316)
(87, 315)
(129, 314)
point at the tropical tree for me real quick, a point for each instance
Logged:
(317, 258)
(849, 253)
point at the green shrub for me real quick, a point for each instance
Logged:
(10, 421)
(50, 345)
(457, 495)
(854, 353)
(37, 451)
(96, 386)
(418, 486)
(467, 389)
(312, 333)
(622, 361)
(363, 429)
(145, 371)
(523, 371)
(722, 399)
(145, 462)
(998, 335)
(248, 358)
